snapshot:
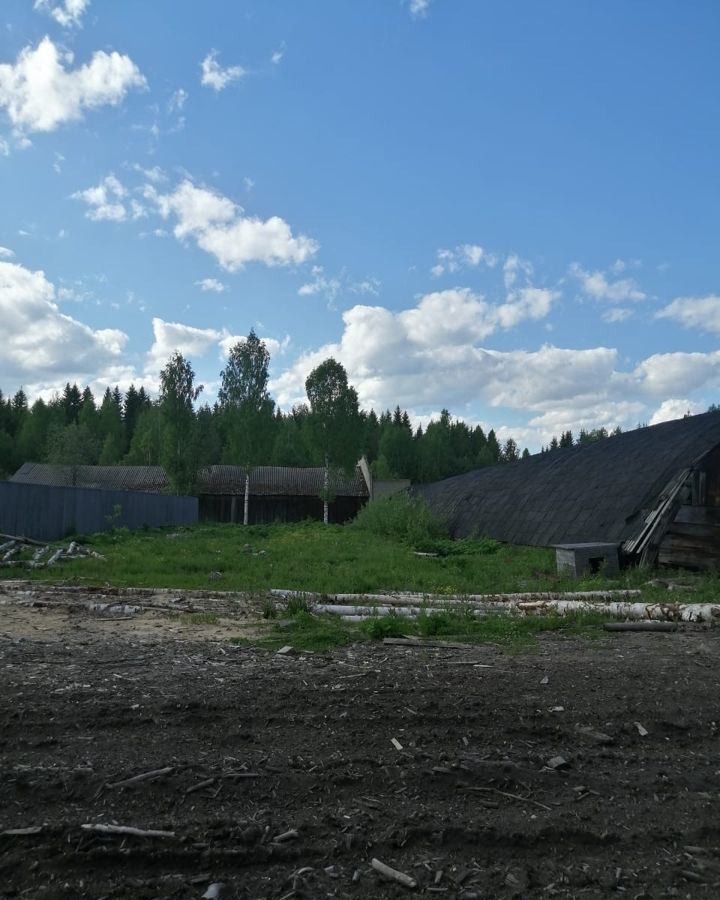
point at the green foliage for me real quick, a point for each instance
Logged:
(405, 518)
(335, 427)
(179, 446)
(379, 627)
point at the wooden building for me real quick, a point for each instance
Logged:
(654, 492)
(278, 494)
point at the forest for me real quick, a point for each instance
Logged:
(243, 427)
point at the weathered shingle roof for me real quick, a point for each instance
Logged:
(595, 492)
(279, 481)
(264, 480)
(122, 478)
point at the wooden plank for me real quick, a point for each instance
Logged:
(698, 515)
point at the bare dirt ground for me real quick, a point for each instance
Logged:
(279, 776)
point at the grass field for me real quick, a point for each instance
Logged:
(392, 546)
(308, 556)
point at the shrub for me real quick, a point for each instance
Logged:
(408, 519)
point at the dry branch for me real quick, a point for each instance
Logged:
(127, 830)
(145, 776)
(393, 874)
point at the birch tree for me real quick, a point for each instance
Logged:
(246, 409)
(335, 424)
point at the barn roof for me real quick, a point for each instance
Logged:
(121, 478)
(595, 492)
(264, 480)
(279, 481)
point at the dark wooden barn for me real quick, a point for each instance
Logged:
(653, 492)
(278, 494)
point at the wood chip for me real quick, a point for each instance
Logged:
(641, 730)
(396, 743)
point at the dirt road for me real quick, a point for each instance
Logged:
(585, 769)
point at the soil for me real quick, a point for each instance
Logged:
(586, 768)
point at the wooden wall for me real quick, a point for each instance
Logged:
(692, 539)
(269, 509)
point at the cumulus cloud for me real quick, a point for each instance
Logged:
(40, 342)
(221, 228)
(67, 13)
(428, 351)
(436, 354)
(462, 257)
(702, 313)
(107, 202)
(6, 253)
(274, 346)
(39, 93)
(670, 374)
(675, 409)
(170, 337)
(211, 284)
(217, 77)
(598, 286)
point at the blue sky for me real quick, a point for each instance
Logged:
(508, 210)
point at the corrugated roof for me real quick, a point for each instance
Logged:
(595, 492)
(122, 478)
(279, 481)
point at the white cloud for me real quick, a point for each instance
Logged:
(67, 13)
(40, 342)
(214, 76)
(462, 257)
(274, 346)
(155, 174)
(108, 201)
(6, 253)
(599, 287)
(320, 284)
(436, 355)
(617, 314)
(4, 147)
(370, 286)
(702, 313)
(513, 267)
(278, 54)
(220, 228)
(177, 100)
(424, 354)
(249, 183)
(419, 8)
(669, 374)
(675, 409)
(173, 336)
(211, 284)
(40, 94)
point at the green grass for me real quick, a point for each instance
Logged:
(305, 631)
(335, 559)
(308, 556)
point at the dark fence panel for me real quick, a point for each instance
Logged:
(50, 513)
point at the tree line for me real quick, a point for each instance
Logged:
(243, 427)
